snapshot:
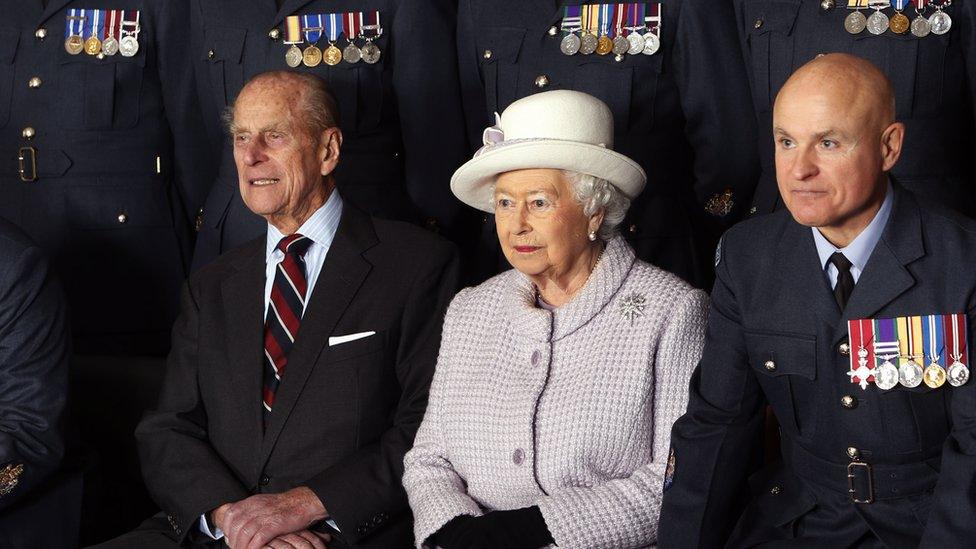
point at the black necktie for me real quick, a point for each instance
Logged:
(845, 280)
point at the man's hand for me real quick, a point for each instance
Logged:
(254, 522)
(303, 539)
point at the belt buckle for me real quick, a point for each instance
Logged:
(27, 165)
(851, 468)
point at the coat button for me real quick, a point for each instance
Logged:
(536, 355)
(753, 210)
(541, 81)
(34, 82)
(827, 5)
(265, 479)
(848, 401)
(775, 490)
(770, 365)
(553, 30)
(122, 218)
(211, 54)
(27, 133)
(758, 24)
(844, 348)
(518, 456)
(40, 34)
(633, 228)
(618, 58)
(487, 54)
(853, 453)
(274, 34)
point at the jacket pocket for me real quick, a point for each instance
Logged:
(616, 82)
(911, 64)
(223, 51)
(786, 366)
(499, 49)
(101, 94)
(769, 30)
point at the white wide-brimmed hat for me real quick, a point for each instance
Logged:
(560, 129)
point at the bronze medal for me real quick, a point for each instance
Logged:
(899, 23)
(312, 56)
(93, 46)
(604, 45)
(74, 44)
(333, 55)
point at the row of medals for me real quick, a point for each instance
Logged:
(648, 44)
(312, 56)
(911, 374)
(877, 23)
(128, 46)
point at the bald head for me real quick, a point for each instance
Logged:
(310, 95)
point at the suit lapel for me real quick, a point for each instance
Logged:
(245, 337)
(342, 274)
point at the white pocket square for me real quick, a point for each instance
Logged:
(339, 340)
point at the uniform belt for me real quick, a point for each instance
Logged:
(863, 481)
(33, 163)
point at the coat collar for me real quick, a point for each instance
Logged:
(600, 289)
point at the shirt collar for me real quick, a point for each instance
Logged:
(320, 227)
(859, 250)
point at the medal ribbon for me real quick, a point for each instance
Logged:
(653, 18)
(955, 331)
(352, 25)
(909, 337)
(312, 28)
(108, 24)
(620, 19)
(920, 4)
(332, 26)
(899, 5)
(886, 342)
(93, 20)
(132, 23)
(373, 25)
(73, 18)
(571, 19)
(856, 4)
(878, 4)
(934, 334)
(591, 15)
(293, 30)
(861, 340)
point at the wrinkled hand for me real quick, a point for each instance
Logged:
(303, 539)
(254, 522)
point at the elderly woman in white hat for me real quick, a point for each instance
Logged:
(557, 381)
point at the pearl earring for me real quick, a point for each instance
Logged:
(592, 236)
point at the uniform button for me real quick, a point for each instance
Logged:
(853, 453)
(844, 348)
(487, 54)
(362, 530)
(775, 490)
(34, 82)
(753, 210)
(758, 24)
(819, 55)
(827, 5)
(553, 30)
(122, 218)
(541, 81)
(27, 133)
(848, 401)
(274, 34)
(211, 54)
(40, 34)
(618, 58)
(265, 479)
(100, 56)
(518, 456)
(632, 229)
(770, 365)
(536, 355)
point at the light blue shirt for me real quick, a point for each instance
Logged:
(859, 250)
(321, 228)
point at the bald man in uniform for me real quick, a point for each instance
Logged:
(864, 464)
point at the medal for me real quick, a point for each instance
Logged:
(620, 43)
(93, 46)
(312, 29)
(940, 20)
(351, 24)
(956, 334)
(332, 54)
(910, 342)
(652, 38)
(920, 25)
(571, 23)
(899, 21)
(633, 37)
(293, 37)
(885, 349)
(129, 43)
(588, 40)
(933, 335)
(878, 22)
(862, 362)
(603, 44)
(73, 43)
(370, 51)
(110, 46)
(856, 22)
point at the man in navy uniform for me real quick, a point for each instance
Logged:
(931, 68)
(866, 464)
(105, 158)
(676, 85)
(396, 85)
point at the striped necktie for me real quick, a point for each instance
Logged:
(284, 313)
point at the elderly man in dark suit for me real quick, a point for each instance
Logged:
(38, 507)
(301, 361)
(881, 462)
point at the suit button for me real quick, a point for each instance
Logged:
(775, 490)
(487, 54)
(848, 401)
(770, 365)
(34, 82)
(853, 453)
(758, 24)
(265, 480)
(753, 210)
(27, 133)
(541, 81)
(122, 218)
(518, 456)
(40, 34)
(536, 355)
(633, 228)
(274, 34)
(844, 348)
(553, 30)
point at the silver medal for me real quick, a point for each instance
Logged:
(636, 43)
(651, 44)
(588, 43)
(910, 374)
(958, 374)
(941, 22)
(110, 46)
(370, 52)
(293, 57)
(855, 22)
(878, 23)
(128, 46)
(886, 376)
(570, 44)
(620, 45)
(921, 27)
(352, 53)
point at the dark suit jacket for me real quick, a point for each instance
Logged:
(772, 301)
(34, 349)
(344, 415)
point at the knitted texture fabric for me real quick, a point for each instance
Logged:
(570, 410)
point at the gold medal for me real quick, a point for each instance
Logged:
(934, 375)
(74, 44)
(604, 45)
(312, 56)
(899, 23)
(333, 55)
(93, 46)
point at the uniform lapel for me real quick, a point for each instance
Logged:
(289, 7)
(53, 7)
(808, 285)
(342, 274)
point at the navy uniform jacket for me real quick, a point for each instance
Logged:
(681, 113)
(34, 347)
(932, 79)
(401, 118)
(772, 302)
(120, 165)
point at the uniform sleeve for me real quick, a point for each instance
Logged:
(34, 346)
(624, 512)
(436, 491)
(717, 444)
(720, 124)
